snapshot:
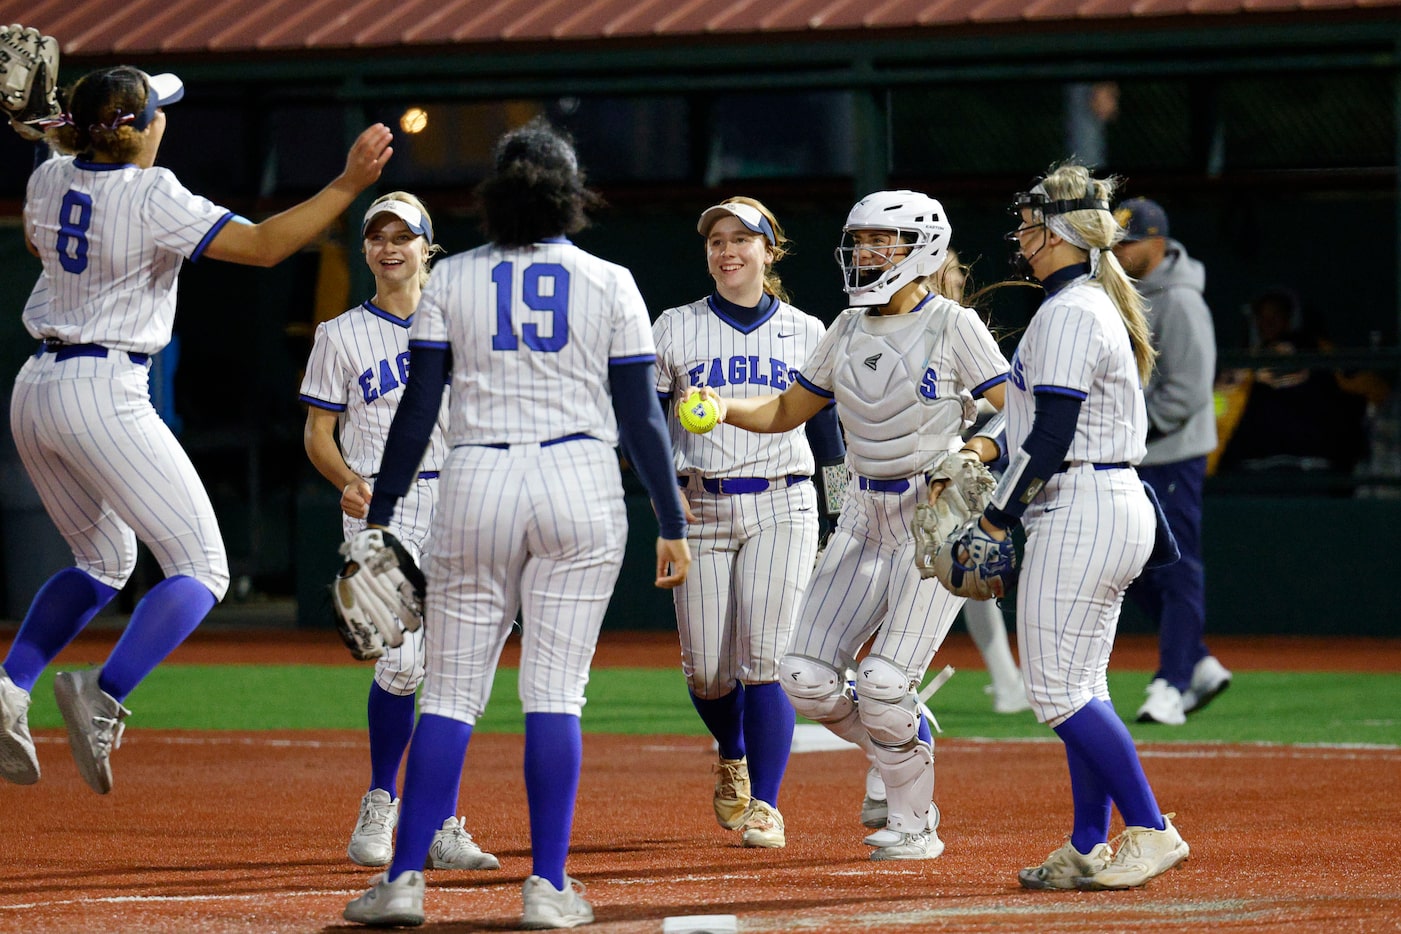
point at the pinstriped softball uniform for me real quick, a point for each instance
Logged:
(1077, 343)
(752, 553)
(1089, 531)
(536, 528)
(696, 347)
(112, 239)
(358, 367)
(902, 389)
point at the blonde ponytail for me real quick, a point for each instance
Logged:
(1098, 231)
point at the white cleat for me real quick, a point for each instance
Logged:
(1164, 705)
(923, 845)
(548, 907)
(1065, 867)
(1209, 678)
(372, 840)
(1143, 854)
(763, 826)
(18, 762)
(389, 904)
(731, 792)
(94, 720)
(454, 848)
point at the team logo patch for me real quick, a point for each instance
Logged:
(871, 362)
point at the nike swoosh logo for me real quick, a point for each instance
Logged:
(781, 336)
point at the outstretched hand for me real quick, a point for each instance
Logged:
(368, 157)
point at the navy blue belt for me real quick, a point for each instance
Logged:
(62, 351)
(503, 446)
(1116, 465)
(883, 486)
(728, 485)
(428, 475)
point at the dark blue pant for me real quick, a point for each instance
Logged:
(1175, 596)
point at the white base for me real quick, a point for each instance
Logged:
(701, 924)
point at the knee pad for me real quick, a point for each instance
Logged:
(888, 705)
(816, 689)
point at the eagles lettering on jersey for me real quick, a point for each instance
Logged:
(742, 369)
(379, 381)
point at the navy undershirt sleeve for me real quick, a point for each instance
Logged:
(411, 429)
(644, 440)
(1052, 430)
(825, 436)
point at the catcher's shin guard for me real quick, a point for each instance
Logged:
(819, 692)
(890, 712)
(909, 785)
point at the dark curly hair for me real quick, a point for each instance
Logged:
(536, 190)
(96, 105)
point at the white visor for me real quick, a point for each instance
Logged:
(412, 217)
(166, 88)
(748, 215)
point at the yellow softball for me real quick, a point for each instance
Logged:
(698, 414)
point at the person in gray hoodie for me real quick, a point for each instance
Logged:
(1181, 433)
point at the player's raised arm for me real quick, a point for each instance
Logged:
(273, 240)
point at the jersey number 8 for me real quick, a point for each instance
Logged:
(73, 221)
(556, 301)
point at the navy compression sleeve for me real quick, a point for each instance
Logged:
(411, 429)
(1042, 453)
(644, 439)
(825, 436)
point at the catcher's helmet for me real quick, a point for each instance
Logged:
(921, 223)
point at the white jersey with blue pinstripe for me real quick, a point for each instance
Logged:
(358, 367)
(532, 331)
(531, 516)
(1077, 345)
(112, 239)
(696, 346)
(904, 384)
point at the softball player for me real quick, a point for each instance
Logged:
(354, 381)
(1075, 425)
(112, 232)
(754, 509)
(552, 358)
(904, 366)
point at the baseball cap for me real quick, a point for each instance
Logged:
(412, 217)
(1141, 219)
(165, 88)
(748, 215)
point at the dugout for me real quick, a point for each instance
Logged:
(1271, 135)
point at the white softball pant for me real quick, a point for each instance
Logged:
(538, 529)
(752, 557)
(109, 471)
(1087, 537)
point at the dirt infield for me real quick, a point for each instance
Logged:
(235, 832)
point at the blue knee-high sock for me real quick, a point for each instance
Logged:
(63, 606)
(554, 751)
(430, 788)
(768, 732)
(163, 619)
(1092, 804)
(1101, 740)
(725, 718)
(391, 726)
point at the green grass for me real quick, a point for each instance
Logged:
(1275, 707)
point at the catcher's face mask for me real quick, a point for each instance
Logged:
(1032, 208)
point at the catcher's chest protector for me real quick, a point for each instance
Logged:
(902, 404)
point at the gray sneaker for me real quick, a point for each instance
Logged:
(94, 720)
(389, 904)
(454, 848)
(372, 840)
(18, 763)
(1065, 867)
(548, 907)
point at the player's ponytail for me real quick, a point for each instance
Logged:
(1096, 231)
(99, 118)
